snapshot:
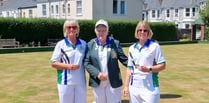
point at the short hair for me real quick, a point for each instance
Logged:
(70, 21)
(144, 23)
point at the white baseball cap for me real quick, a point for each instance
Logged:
(102, 22)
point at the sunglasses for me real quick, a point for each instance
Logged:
(140, 30)
(73, 27)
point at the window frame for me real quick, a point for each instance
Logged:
(79, 7)
(187, 12)
(44, 13)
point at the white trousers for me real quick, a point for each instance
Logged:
(106, 94)
(143, 95)
(71, 93)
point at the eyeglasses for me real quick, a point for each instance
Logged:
(73, 27)
(140, 30)
(101, 30)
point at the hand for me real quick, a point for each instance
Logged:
(143, 69)
(125, 91)
(102, 76)
(73, 66)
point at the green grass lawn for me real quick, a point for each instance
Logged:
(29, 78)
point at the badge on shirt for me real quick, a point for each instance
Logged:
(114, 54)
(96, 47)
(108, 49)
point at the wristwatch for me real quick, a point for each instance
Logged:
(150, 69)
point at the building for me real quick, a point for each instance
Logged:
(181, 12)
(76, 9)
(16, 8)
(90, 9)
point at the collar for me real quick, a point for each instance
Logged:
(108, 39)
(146, 44)
(71, 45)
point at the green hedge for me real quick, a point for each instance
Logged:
(39, 30)
(51, 48)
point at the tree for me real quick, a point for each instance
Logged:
(204, 14)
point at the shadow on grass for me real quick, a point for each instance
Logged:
(169, 96)
(125, 101)
(162, 96)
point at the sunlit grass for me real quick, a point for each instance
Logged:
(29, 78)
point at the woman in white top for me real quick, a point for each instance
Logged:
(145, 60)
(67, 58)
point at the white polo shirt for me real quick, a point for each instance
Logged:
(148, 55)
(74, 54)
(102, 53)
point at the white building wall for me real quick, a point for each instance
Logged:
(181, 20)
(91, 9)
(10, 13)
(25, 13)
(54, 14)
(40, 10)
(104, 9)
(86, 10)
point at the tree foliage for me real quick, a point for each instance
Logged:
(204, 13)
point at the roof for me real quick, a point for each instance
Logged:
(199, 21)
(15, 4)
(155, 4)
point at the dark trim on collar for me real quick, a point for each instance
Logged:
(108, 39)
(71, 45)
(146, 44)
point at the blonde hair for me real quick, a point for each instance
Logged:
(146, 25)
(71, 21)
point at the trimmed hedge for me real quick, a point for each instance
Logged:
(27, 30)
(50, 48)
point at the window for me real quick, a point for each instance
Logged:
(119, 7)
(153, 13)
(122, 7)
(79, 7)
(7, 14)
(63, 8)
(168, 13)
(30, 13)
(1, 2)
(143, 16)
(187, 12)
(23, 14)
(158, 13)
(52, 9)
(177, 25)
(176, 12)
(20, 13)
(68, 8)
(193, 11)
(115, 6)
(44, 9)
(57, 9)
(187, 26)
